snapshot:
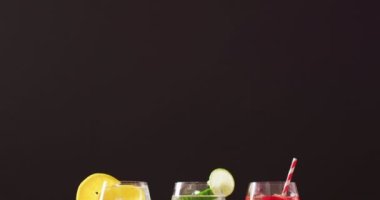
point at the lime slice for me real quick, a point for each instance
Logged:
(124, 192)
(221, 182)
(90, 187)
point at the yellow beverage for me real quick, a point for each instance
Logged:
(127, 190)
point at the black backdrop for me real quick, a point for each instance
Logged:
(165, 91)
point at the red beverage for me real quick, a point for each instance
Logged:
(271, 190)
(271, 197)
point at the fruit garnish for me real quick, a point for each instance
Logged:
(90, 187)
(221, 182)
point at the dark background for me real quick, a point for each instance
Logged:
(165, 91)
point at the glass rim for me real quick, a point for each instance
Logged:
(195, 195)
(271, 187)
(122, 182)
(271, 182)
(192, 182)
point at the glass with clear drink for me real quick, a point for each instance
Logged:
(194, 191)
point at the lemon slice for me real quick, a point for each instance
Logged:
(124, 192)
(221, 182)
(90, 188)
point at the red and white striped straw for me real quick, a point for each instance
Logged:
(289, 178)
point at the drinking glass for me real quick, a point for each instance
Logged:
(125, 190)
(271, 190)
(194, 191)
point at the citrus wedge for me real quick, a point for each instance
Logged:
(90, 187)
(221, 182)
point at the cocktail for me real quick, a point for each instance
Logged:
(105, 187)
(271, 190)
(220, 185)
(194, 191)
(126, 190)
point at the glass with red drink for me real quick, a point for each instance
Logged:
(271, 190)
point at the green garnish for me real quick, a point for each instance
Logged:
(202, 195)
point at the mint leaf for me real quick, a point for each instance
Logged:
(202, 195)
(207, 191)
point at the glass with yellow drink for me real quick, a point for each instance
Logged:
(100, 186)
(125, 190)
